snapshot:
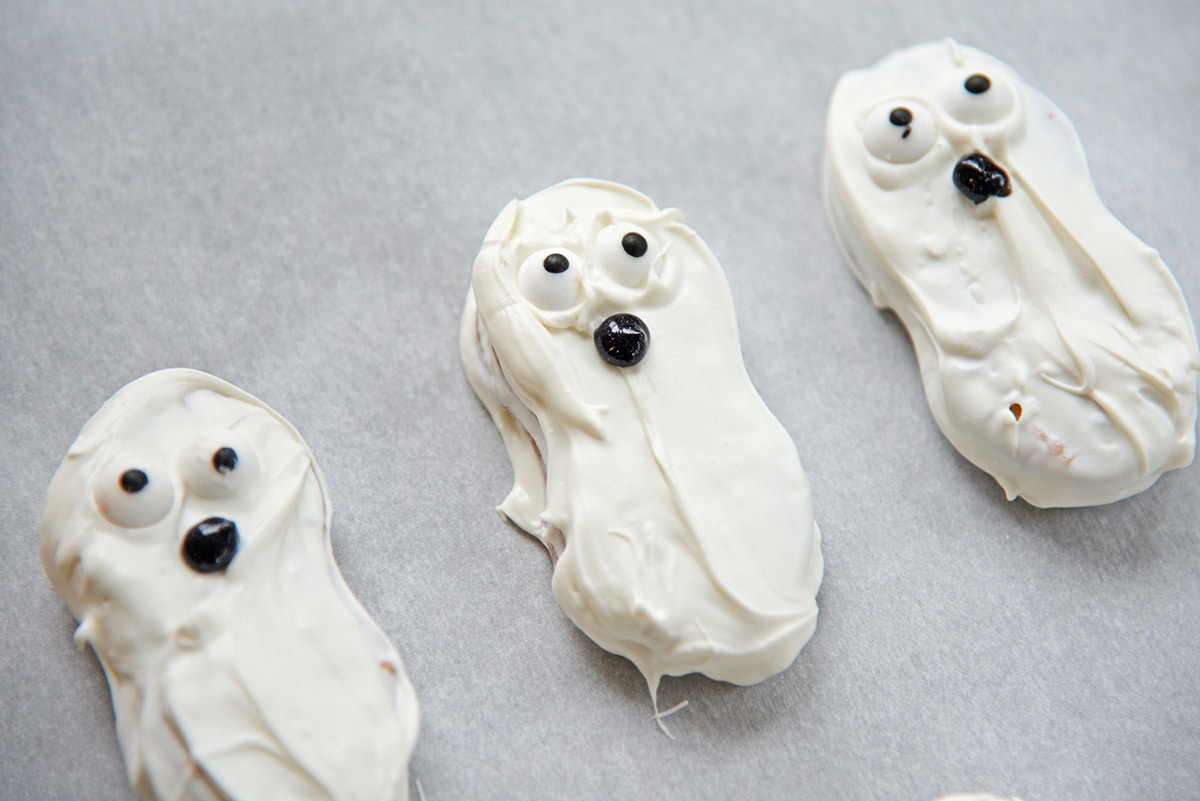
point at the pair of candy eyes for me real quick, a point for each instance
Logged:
(902, 132)
(551, 278)
(141, 495)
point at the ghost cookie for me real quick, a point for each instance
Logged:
(188, 531)
(600, 334)
(1056, 350)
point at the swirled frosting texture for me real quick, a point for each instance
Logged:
(1056, 350)
(672, 500)
(261, 679)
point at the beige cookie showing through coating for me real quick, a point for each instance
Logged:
(188, 530)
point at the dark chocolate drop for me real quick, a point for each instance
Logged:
(900, 117)
(210, 545)
(556, 263)
(133, 481)
(977, 84)
(634, 244)
(622, 339)
(978, 177)
(225, 460)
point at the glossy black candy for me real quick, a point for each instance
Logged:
(900, 117)
(622, 339)
(225, 460)
(556, 263)
(134, 480)
(210, 545)
(634, 244)
(977, 84)
(978, 177)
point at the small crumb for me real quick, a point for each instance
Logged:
(1056, 448)
(1016, 410)
(389, 667)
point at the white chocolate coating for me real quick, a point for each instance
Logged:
(264, 680)
(1056, 350)
(671, 499)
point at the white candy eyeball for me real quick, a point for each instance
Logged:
(552, 279)
(218, 463)
(979, 97)
(899, 131)
(134, 494)
(627, 252)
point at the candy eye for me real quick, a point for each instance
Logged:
(979, 97)
(627, 253)
(134, 494)
(551, 279)
(899, 131)
(218, 463)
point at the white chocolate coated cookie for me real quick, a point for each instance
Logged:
(600, 334)
(188, 531)
(1056, 350)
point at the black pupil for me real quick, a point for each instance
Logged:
(634, 244)
(900, 117)
(134, 481)
(556, 263)
(224, 460)
(977, 84)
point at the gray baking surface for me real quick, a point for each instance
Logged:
(290, 196)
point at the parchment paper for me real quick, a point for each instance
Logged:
(290, 196)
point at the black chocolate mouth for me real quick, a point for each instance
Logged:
(622, 339)
(978, 178)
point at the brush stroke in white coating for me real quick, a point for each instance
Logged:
(672, 501)
(264, 679)
(1056, 350)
